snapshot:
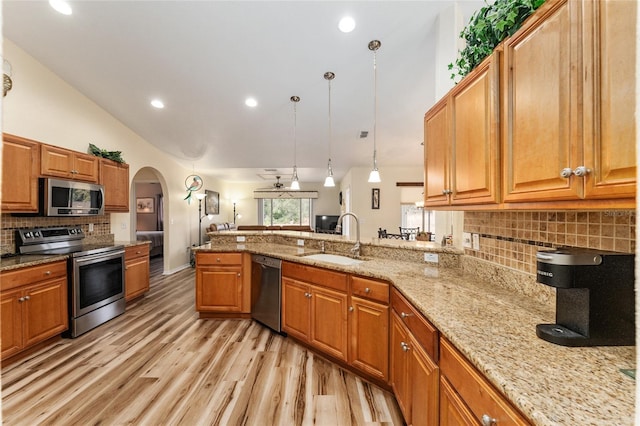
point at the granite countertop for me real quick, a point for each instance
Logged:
(495, 329)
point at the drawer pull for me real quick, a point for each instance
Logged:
(367, 290)
(405, 315)
(47, 273)
(488, 420)
(218, 260)
(138, 252)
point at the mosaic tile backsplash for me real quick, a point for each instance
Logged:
(512, 239)
(101, 227)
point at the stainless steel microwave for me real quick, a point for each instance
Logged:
(60, 197)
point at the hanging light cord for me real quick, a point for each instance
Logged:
(329, 78)
(295, 142)
(375, 107)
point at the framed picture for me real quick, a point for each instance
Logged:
(375, 198)
(211, 202)
(145, 205)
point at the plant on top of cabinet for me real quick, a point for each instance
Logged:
(487, 28)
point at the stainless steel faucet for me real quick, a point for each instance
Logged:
(356, 248)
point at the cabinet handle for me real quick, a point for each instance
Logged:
(566, 172)
(404, 346)
(404, 315)
(309, 295)
(367, 290)
(581, 171)
(26, 298)
(47, 273)
(488, 420)
(138, 252)
(218, 260)
(350, 308)
(446, 191)
(21, 299)
(238, 273)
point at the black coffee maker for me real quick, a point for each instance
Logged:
(595, 300)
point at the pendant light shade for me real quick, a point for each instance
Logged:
(295, 184)
(374, 176)
(328, 181)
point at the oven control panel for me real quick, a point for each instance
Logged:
(47, 235)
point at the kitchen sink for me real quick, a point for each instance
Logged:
(334, 258)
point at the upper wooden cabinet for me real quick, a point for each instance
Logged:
(568, 125)
(20, 168)
(115, 178)
(64, 163)
(462, 141)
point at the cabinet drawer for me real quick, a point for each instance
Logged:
(310, 274)
(423, 331)
(131, 252)
(476, 391)
(370, 289)
(203, 258)
(32, 275)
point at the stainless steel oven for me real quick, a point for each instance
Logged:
(95, 274)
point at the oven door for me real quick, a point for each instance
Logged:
(96, 281)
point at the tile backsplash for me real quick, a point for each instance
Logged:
(101, 226)
(512, 239)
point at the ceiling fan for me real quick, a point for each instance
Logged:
(277, 186)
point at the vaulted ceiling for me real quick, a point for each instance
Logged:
(204, 58)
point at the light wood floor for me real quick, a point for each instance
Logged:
(159, 364)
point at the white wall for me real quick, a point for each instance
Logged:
(43, 107)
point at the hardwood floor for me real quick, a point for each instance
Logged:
(159, 364)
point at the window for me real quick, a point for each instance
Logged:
(290, 211)
(415, 217)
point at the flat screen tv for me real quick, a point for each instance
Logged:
(326, 223)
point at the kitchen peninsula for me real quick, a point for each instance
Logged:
(492, 324)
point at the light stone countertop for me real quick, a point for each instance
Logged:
(495, 329)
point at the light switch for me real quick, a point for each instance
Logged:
(476, 241)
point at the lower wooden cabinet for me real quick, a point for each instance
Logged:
(466, 395)
(221, 285)
(33, 306)
(136, 271)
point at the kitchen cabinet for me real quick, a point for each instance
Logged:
(20, 169)
(314, 308)
(568, 125)
(67, 164)
(414, 369)
(221, 283)
(462, 141)
(34, 306)
(114, 177)
(369, 326)
(467, 397)
(136, 271)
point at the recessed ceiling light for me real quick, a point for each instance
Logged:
(251, 102)
(346, 24)
(61, 6)
(157, 103)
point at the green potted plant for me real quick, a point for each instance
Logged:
(487, 28)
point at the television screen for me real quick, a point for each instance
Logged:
(326, 223)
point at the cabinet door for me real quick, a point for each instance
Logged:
(609, 107)
(436, 155)
(540, 113)
(64, 163)
(400, 365)
(45, 311)
(115, 178)
(453, 411)
(86, 167)
(296, 308)
(329, 322)
(219, 289)
(475, 138)
(11, 310)
(369, 331)
(20, 169)
(136, 276)
(423, 381)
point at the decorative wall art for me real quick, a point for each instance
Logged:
(193, 183)
(375, 198)
(211, 202)
(145, 205)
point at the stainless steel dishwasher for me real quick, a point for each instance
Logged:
(266, 291)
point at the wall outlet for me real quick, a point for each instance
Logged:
(466, 239)
(240, 239)
(431, 257)
(123, 225)
(301, 243)
(476, 241)
(91, 227)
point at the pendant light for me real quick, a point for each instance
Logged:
(374, 176)
(295, 185)
(328, 182)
